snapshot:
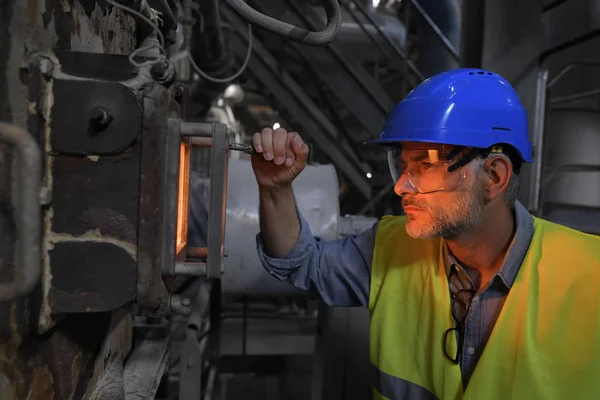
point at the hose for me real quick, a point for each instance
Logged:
(334, 21)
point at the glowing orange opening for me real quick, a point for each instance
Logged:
(183, 197)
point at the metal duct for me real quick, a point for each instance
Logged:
(572, 142)
(317, 194)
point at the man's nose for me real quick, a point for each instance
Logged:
(404, 186)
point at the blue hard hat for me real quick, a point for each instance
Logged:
(462, 107)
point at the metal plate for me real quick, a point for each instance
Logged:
(91, 276)
(76, 125)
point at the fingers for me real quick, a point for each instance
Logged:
(267, 143)
(280, 146)
(280, 142)
(290, 156)
(257, 142)
(298, 147)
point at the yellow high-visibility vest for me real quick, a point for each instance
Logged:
(544, 345)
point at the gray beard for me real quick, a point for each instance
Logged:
(452, 220)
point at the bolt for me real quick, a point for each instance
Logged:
(159, 69)
(179, 305)
(179, 91)
(100, 117)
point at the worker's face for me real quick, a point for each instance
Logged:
(447, 213)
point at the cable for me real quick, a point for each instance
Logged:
(334, 22)
(161, 38)
(235, 75)
(162, 53)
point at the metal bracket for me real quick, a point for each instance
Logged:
(28, 265)
(218, 188)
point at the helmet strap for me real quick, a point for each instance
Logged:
(465, 159)
(479, 152)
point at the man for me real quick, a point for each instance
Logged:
(470, 296)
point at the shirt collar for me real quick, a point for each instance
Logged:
(516, 252)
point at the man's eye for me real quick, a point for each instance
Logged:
(426, 165)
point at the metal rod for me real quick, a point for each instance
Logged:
(28, 219)
(560, 75)
(190, 269)
(566, 168)
(201, 129)
(436, 29)
(538, 142)
(570, 43)
(555, 79)
(217, 202)
(210, 384)
(244, 327)
(201, 141)
(197, 252)
(208, 142)
(576, 96)
(398, 50)
(246, 148)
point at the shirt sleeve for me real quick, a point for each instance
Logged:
(337, 270)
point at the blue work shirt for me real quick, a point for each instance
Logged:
(339, 271)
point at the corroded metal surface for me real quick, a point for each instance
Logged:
(73, 355)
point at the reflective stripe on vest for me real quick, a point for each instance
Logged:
(544, 345)
(395, 388)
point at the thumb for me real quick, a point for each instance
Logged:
(299, 148)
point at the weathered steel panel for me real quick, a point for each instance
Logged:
(77, 350)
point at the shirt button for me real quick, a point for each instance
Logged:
(475, 299)
(470, 351)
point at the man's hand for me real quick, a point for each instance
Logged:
(280, 157)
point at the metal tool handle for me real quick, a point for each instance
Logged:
(29, 169)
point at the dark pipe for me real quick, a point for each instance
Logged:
(207, 45)
(434, 57)
(210, 51)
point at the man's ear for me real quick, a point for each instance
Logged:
(499, 171)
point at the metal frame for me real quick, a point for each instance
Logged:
(212, 135)
(398, 51)
(542, 97)
(28, 219)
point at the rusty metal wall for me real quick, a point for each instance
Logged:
(74, 351)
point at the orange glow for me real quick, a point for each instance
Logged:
(183, 197)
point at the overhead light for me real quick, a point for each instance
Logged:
(375, 3)
(369, 175)
(276, 125)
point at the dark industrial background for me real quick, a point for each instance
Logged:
(101, 294)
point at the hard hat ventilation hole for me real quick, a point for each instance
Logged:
(498, 128)
(480, 73)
